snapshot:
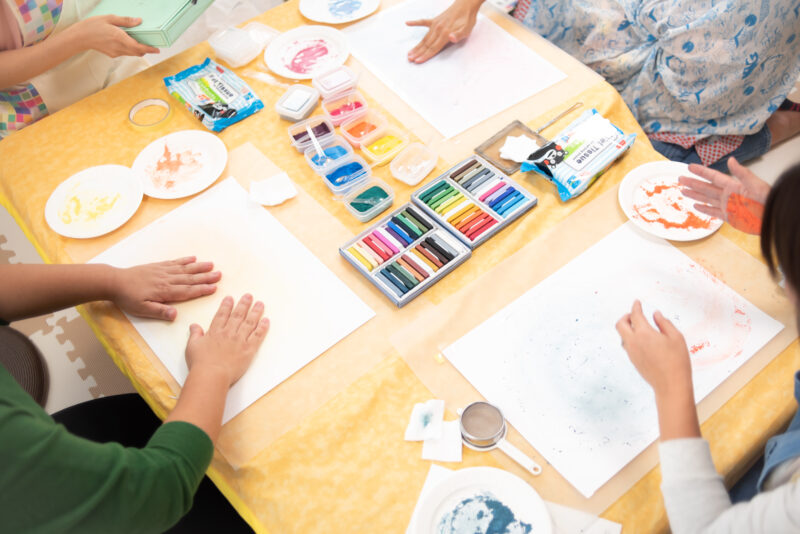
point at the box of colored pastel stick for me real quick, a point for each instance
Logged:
(405, 253)
(474, 200)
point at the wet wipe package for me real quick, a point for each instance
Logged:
(214, 94)
(579, 153)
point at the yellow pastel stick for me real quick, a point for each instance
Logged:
(357, 255)
(368, 254)
(458, 198)
(463, 213)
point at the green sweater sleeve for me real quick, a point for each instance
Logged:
(53, 481)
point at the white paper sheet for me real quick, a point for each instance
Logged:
(309, 308)
(565, 520)
(553, 362)
(447, 447)
(464, 84)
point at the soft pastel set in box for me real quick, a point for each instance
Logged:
(405, 253)
(474, 200)
(409, 251)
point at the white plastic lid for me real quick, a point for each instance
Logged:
(335, 81)
(413, 164)
(261, 33)
(234, 46)
(297, 102)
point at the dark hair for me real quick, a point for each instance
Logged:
(780, 229)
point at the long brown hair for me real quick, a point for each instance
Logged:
(780, 230)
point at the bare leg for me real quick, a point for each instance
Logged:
(783, 125)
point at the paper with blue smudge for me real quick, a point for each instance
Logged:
(426, 421)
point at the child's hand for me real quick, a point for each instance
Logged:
(451, 26)
(660, 356)
(738, 199)
(147, 290)
(232, 340)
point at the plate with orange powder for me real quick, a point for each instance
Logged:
(651, 197)
(181, 164)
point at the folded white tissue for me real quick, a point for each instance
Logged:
(273, 191)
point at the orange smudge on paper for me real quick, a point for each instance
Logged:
(694, 349)
(739, 311)
(172, 168)
(651, 214)
(744, 213)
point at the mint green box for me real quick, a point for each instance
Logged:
(163, 21)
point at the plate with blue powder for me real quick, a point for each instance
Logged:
(337, 11)
(483, 500)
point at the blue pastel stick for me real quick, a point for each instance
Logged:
(499, 200)
(392, 284)
(403, 234)
(496, 195)
(511, 206)
(397, 236)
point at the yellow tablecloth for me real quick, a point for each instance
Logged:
(336, 462)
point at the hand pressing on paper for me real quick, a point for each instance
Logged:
(105, 34)
(662, 358)
(232, 340)
(147, 290)
(738, 199)
(452, 26)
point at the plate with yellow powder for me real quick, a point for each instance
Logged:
(94, 201)
(181, 164)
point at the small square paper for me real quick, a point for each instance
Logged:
(426, 421)
(273, 191)
(447, 448)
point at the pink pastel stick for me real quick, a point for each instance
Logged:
(490, 191)
(385, 241)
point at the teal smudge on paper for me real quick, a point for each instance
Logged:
(426, 419)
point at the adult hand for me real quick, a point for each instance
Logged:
(231, 341)
(104, 33)
(660, 355)
(452, 26)
(147, 290)
(738, 199)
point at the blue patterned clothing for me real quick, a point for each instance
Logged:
(696, 67)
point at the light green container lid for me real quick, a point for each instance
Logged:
(163, 21)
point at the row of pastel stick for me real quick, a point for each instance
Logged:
(489, 187)
(475, 199)
(461, 212)
(404, 251)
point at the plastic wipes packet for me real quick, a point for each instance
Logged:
(213, 94)
(579, 153)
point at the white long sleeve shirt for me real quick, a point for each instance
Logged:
(697, 501)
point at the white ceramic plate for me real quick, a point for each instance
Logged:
(337, 11)
(651, 197)
(94, 201)
(453, 505)
(307, 51)
(180, 164)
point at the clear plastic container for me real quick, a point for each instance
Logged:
(367, 201)
(322, 128)
(337, 150)
(297, 102)
(413, 164)
(359, 129)
(234, 46)
(342, 178)
(335, 82)
(381, 148)
(261, 33)
(343, 107)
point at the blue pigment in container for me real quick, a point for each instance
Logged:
(345, 173)
(333, 152)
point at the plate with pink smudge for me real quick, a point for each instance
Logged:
(181, 164)
(651, 197)
(307, 51)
